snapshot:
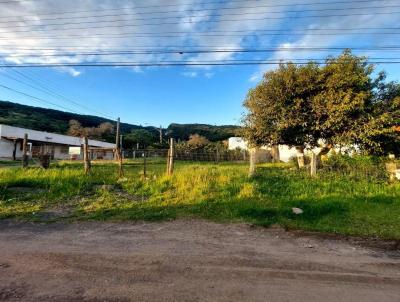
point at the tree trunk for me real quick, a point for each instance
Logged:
(275, 154)
(325, 150)
(300, 156)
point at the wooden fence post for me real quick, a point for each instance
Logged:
(144, 164)
(313, 164)
(170, 160)
(253, 159)
(86, 159)
(25, 151)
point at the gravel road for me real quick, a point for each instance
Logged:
(190, 260)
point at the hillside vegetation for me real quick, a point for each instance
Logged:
(58, 122)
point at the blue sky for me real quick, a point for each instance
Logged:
(33, 31)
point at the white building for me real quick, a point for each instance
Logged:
(57, 145)
(237, 143)
(285, 152)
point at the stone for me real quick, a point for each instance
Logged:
(297, 211)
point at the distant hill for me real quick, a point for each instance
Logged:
(57, 121)
(51, 120)
(213, 133)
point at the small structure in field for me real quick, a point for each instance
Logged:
(58, 146)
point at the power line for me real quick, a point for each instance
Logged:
(243, 31)
(195, 11)
(152, 52)
(209, 34)
(176, 63)
(51, 92)
(191, 4)
(37, 98)
(186, 22)
(184, 49)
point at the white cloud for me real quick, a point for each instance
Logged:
(256, 77)
(114, 29)
(309, 39)
(190, 74)
(72, 71)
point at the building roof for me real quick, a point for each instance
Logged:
(53, 138)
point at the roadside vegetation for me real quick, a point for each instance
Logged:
(350, 196)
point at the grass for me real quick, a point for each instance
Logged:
(362, 204)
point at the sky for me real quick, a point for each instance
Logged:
(72, 32)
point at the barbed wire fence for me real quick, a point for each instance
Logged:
(189, 155)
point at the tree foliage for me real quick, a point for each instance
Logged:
(142, 137)
(280, 106)
(197, 141)
(212, 133)
(102, 131)
(339, 103)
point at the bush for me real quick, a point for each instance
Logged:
(356, 166)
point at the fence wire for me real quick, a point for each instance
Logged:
(191, 155)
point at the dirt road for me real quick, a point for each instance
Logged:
(188, 261)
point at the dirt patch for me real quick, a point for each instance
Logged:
(388, 246)
(13, 292)
(116, 189)
(25, 190)
(188, 260)
(54, 214)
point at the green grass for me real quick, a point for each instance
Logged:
(362, 204)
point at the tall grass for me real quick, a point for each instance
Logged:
(360, 204)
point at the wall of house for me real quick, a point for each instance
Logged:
(106, 155)
(7, 148)
(60, 152)
(237, 143)
(52, 138)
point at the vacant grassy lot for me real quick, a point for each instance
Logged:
(359, 202)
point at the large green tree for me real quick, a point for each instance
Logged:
(280, 107)
(338, 103)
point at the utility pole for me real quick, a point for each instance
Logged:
(117, 135)
(160, 134)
